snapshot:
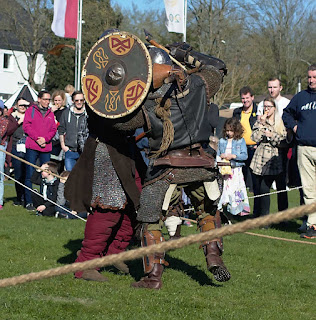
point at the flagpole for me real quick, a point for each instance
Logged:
(78, 49)
(185, 21)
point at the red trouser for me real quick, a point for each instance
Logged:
(106, 233)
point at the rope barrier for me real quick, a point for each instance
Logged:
(279, 238)
(275, 192)
(30, 164)
(262, 235)
(38, 194)
(162, 247)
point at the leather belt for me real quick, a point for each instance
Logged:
(192, 156)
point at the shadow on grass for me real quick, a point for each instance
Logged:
(136, 266)
(136, 270)
(73, 246)
(288, 226)
(10, 199)
(193, 272)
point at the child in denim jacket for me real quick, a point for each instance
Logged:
(233, 150)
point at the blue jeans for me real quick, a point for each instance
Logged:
(71, 158)
(19, 172)
(32, 156)
(2, 161)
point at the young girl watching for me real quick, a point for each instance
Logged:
(232, 149)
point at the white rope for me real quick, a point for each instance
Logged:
(56, 204)
(275, 192)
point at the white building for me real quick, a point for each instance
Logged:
(13, 71)
(14, 18)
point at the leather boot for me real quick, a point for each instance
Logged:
(153, 279)
(153, 264)
(93, 275)
(215, 263)
(119, 265)
(214, 249)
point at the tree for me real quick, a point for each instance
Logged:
(215, 28)
(98, 16)
(281, 33)
(26, 28)
(136, 20)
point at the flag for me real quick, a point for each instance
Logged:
(65, 21)
(175, 16)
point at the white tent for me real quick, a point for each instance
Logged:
(25, 91)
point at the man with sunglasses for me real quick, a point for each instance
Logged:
(40, 128)
(70, 122)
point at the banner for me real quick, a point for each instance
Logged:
(175, 16)
(65, 22)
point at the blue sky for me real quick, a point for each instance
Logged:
(141, 4)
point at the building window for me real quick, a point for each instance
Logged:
(7, 61)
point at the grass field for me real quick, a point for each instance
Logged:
(271, 279)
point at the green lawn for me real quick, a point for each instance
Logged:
(270, 279)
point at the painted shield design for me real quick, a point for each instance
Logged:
(116, 75)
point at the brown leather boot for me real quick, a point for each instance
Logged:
(119, 265)
(214, 249)
(153, 264)
(93, 275)
(215, 263)
(153, 279)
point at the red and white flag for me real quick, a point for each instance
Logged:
(65, 22)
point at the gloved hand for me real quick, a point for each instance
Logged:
(179, 51)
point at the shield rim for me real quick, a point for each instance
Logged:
(148, 83)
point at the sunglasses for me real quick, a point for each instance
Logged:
(23, 105)
(79, 100)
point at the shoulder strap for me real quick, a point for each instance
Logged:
(33, 111)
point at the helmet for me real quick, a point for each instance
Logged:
(159, 56)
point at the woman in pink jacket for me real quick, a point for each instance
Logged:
(40, 127)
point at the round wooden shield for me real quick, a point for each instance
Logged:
(116, 75)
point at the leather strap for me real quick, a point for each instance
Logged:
(194, 156)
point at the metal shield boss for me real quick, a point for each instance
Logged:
(116, 75)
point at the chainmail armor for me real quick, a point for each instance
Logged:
(153, 195)
(212, 78)
(188, 175)
(151, 200)
(107, 192)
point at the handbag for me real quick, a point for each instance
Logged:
(225, 170)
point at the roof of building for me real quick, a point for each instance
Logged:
(26, 91)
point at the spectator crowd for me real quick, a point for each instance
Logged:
(260, 145)
(45, 134)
